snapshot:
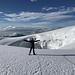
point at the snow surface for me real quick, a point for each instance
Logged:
(16, 61)
(57, 57)
(56, 39)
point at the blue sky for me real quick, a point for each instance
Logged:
(49, 13)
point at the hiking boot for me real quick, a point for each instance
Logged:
(34, 54)
(29, 54)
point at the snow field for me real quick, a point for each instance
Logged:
(16, 61)
(57, 38)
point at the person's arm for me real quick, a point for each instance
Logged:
(26, 40)
(37, 40)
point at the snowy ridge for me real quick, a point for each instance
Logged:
(57, 38)
(48, 40)
(16, 61)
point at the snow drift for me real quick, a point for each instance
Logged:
(57, 38)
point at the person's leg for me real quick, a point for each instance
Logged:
(33, 51)
(30, 50)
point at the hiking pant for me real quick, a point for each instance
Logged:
(32, 48)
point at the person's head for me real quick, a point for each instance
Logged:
(33, 38)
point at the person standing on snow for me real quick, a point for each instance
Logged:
(32, 43)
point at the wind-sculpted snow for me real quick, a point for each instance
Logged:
(57, 38)
(48, 40)
(16, 61)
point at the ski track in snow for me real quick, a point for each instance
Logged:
(16, 61)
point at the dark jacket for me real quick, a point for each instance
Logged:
(32, 42)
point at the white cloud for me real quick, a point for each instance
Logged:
(62, 8)
(49, 8)
(33, 0)
(23, 16)
(10, 19)
(11, 15)
(1, 12)
(38, 18)
(28, 16)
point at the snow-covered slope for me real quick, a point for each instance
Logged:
(16, 61)
(69, 46)
(58, 38)
(48, 40)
